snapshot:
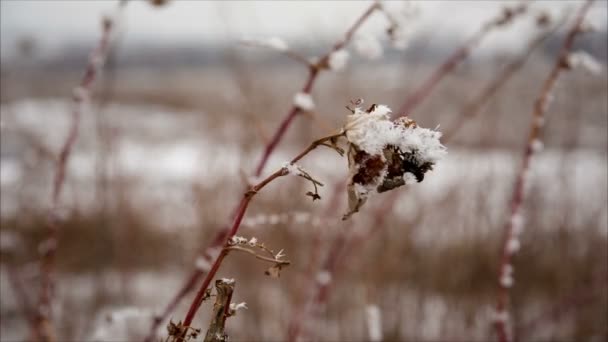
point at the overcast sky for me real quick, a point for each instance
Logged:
(55, 23)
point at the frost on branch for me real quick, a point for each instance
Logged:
(385, 154)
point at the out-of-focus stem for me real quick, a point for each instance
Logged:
(517, 199)
(472, 108)
(459, 55)
(44, 328)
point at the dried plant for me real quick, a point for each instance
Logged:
(333, 58)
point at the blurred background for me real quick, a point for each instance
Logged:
(180, 116)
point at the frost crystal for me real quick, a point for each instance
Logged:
(235, 240)
(374, 323)
(385, 154)
(253, 242)
(338, 59)
(227, 280)
(292, 169)
(368, 46)
(304, 101)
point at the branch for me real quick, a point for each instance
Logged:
(511, 243)
(44, 325)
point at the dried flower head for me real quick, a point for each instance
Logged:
(385, 154)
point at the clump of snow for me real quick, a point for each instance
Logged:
(537, 145)
(274, 43)
(368, 46)
(304, 101)
(236, 240)
(323, 278)
(506, 278)
(338, 59)
(227, 280)
(374, 323)
(409, 178)
(372, 132)
(292, 169)
(513, 245)
(202, 264)
(234, 307)
(582, 59)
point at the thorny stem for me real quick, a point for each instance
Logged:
(538, 113)
(244, 204)
(279, 133)
(43, 328)
(459, 55)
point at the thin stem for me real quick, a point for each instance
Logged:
(261, 257)
(517, 200)
(44, 325)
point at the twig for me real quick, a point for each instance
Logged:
(221, 236)
(44, 325)
(459, 55)
(511, 242)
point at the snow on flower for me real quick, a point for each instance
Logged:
(385, 154)
(368, 46)
(338, 59)
(585, 61)
(304, 101)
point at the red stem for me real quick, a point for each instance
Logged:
(518, 197)
(44, 326)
